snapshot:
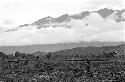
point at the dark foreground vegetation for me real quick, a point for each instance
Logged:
(90, 64)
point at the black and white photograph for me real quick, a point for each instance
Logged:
(62, 40)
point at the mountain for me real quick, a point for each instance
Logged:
(54, 47)
(103, 25)
(105, 12)
(62, 21)
(117, 14)
(92, 50)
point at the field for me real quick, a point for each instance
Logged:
(89, 64)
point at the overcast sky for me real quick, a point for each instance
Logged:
(17, 12)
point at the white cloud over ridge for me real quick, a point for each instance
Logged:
(92, 28)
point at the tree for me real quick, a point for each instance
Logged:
(17, 54)
(48, 56)
(2, 54)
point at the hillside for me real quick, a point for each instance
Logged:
(86, 52)
(54, 47)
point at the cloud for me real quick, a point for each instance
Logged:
(27, 11)
(99, 30)
(123, 15)
(7, 22)
(97, 4)
(34, 36)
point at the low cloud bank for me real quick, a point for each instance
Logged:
(91, 28)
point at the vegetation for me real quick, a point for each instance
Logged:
(91, 64)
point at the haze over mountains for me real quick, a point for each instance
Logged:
(102, 25)
(96, 28)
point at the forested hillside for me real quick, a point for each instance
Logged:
(88, 64)
(89, 52)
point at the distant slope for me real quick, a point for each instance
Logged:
(54, 47)
(105, 52)
(92, 50)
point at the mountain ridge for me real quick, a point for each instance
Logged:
(54, 47)
(63, 20)
(87, 26)
(104, 12)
